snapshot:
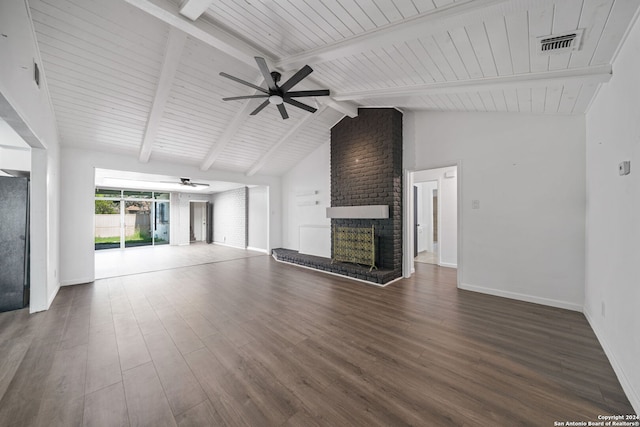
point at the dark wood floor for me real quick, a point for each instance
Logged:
(258, 343)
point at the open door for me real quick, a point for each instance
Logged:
(209, 222)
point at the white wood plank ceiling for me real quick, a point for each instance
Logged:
(142, 76)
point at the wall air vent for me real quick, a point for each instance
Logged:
(559, 43)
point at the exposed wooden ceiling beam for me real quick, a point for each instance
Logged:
(175, 45)
(232, 45)
(167, 11)
(14, 148)
(408, 29)
(286, 138)
(192, 9)
(595, 74)
(231, 131)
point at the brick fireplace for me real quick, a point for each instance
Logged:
(366, 179)
(366, 169)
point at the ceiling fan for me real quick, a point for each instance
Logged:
(278, 94)
(187, 183)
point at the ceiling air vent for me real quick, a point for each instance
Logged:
(559, 43)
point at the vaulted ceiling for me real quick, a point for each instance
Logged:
(142, 76)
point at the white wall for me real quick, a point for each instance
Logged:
(15, 159)
(448, 218)
(527, 239)
(27, 109)
(258, 218)
(230, 217)
(612, 290)
(77, 181)
(313, 173)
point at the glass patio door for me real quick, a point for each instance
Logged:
(128, 218)
(161, 223)
(137, 223)
(107, 220)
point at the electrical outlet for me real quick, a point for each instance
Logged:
(624, 168)
(602, 308)
(475, 204)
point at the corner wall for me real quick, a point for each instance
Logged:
(312, 174)
(612, 290)
(27, 109)
(258, 227)
(526, 240)
(230, 225)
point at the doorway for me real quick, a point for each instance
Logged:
(434, 223)
(198, 221)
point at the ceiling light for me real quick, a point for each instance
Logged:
(276, 99)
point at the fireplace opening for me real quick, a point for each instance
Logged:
(356, 245)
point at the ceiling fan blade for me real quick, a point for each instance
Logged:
(260, 108)
(233, 98)
(283, 111)
(295, 79)
(300, 105)
(264, 69)
(199, 184)
(298, 93)
(246, 83)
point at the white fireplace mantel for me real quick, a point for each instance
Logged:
(359, 212)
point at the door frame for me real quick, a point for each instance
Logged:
(205, 211)
(408, 267)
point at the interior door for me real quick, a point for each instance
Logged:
(203, 227)
(14, 235)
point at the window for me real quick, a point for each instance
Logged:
(126, 218)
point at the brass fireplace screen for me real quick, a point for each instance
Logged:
(354, 244)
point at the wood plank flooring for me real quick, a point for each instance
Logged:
(252, 342)
(145, 259)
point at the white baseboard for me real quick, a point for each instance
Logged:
(632, 394)
(53, 295)
(227, 245)
(264, 251)
(37, 309)
(76, 282)
(449, 265)
(522, 297)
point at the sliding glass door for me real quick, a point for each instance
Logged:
(161, 219)
(107, 219)
(125, 218)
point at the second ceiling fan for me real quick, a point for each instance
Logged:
(278, 94)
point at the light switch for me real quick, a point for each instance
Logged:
(475, 204)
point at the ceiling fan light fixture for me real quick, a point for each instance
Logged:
(278, 94)
(275, 99)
